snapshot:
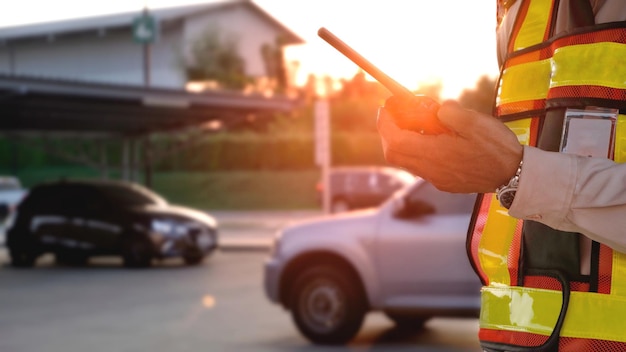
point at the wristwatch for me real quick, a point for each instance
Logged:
(506, 193)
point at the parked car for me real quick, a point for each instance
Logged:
(406, 258)
(357, 187)
(11, 193)
(77, 219)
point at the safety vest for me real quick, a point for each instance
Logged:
(534, 297)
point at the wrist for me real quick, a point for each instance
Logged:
(506, 193)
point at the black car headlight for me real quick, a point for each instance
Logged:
(169, 228)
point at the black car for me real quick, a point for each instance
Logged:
(356, 187)
(77, 219)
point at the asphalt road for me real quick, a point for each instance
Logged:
(217, 306)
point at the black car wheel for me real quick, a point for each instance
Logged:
(327, 305)
(193, 257)
(407, 321)
(22, 247)
(22, 257)
(137, 252)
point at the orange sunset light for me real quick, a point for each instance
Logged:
(414, 41)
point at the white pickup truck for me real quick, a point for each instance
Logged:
(406, 258)
(11, 193)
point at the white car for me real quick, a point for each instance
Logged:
(406, 258)
(11, 193)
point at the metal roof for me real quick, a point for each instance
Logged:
(45, 106)
(121, 20)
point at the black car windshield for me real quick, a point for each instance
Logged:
(131, 196)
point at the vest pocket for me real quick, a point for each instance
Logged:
(548, 249)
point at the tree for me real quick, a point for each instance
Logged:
(215, 57)
(274, 60)
(481, 97)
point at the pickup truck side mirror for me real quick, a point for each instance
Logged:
(413, 208)
(4, 212)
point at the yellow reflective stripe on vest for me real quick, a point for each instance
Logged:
(497, 235)
(535, 24)
(598, 64)
(618, 275)
(493, 250)
(620, 139)
(589, 315)
(527, 81)
(618, 284)
(521, 128)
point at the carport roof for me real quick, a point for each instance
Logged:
(31, 104)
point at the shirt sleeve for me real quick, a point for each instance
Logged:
(574, 193)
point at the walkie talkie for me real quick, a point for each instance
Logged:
(412, 112)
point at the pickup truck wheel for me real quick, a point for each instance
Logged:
(327, 306)
(406, 321)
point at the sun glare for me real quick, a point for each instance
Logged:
(415, 42)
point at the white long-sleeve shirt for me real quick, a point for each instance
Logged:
(574, 193)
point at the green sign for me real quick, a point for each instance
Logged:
(144, 29)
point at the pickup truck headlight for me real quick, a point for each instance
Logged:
(276, 243)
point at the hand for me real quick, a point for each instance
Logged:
(417, 113)
(478, 154)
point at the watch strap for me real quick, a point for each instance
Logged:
(506, 193)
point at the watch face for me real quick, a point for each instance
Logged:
(506, 198)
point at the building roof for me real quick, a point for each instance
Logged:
(122, 20)
(43, 106)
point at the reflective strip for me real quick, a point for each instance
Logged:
(499, 230)
(496, 239)
(618, 275)
(620, 139)
(533, 30)
(528, 81)
(520, 309)
(589, 315)
(521, 128)
(598, 64)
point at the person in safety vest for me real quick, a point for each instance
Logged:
(548, 234)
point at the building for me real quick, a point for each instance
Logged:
(105, 49)
(87, 80)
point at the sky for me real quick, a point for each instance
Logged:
(416, 42)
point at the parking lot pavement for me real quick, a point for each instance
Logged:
(254, 230)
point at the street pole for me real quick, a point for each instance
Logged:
(146, 56)
(322, 148)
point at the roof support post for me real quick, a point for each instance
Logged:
(104, 167)
(126, 155)
(133, 161)
(147, 161)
